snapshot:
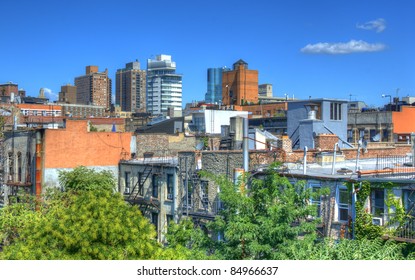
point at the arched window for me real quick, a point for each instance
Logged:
(10, 161)
(19, 166)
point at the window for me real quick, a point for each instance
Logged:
(409, 201)
(378, 203)
(154, 220)
(335, 111)
(204, 194)
(315, 199)
(127, 179)
(343, 204)
(140, 184)
(169, 218)
(170, 183)
(155, 186)
(11, 166)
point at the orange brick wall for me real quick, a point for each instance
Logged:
(243, 83)
(403, 122)
(74, 146)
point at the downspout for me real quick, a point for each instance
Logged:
(354, 199)
(305, 160)
(245, 145)
(334, 158)
(38, 184)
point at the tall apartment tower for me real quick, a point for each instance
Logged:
(214, 85)
(239, 85)
(68, 94)
(130, 88)
(164, 86)
(94, 88)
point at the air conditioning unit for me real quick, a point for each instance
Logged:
(170, 196)
(377, 221)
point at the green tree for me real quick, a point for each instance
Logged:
(86, 221)
(82, 178)
(259, 221)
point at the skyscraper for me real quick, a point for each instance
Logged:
(164, 86)
(94, 88)
(130, 88)
(214, 85)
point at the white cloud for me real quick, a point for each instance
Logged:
(379, 25)
(352, 46)
(50, 94)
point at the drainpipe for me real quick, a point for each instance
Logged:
(305, 160)
(354, 198)
(38, 184)
(413, 148)
(334, 158)
(246, 145)
(359, 145)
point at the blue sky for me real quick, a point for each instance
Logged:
(337, 49)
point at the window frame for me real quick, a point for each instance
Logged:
(341, 206)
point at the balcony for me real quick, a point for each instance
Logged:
(399, 231)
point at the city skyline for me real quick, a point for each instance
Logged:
(355, 50)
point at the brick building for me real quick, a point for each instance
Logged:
(94, 88)
(239, 85)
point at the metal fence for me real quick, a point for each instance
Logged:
(395, 166)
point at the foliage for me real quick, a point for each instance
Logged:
(271, 220)
(364, 228)
(82, 178)
(257, 222)
(83, 222)
(345, 249)
(189, 239)
(92, 128)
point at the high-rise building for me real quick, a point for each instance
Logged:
(164, 86)
(68, 94)
(94, 88)
(265, 90)
(214, 85)
(240, 85)
(130, 88)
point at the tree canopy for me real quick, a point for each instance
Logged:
(86, 221)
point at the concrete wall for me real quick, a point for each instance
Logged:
(164, 145)
(21, 143)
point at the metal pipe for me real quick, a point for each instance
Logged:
(334, 158)
(246, 145)
(305, 160)
(358, 155)
(38, 184)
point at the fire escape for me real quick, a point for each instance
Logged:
(195, 200)
(136, 195)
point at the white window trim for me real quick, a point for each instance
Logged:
(337, 212)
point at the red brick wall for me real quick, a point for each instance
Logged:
(325, 142)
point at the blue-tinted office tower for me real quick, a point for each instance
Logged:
(214, 85)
